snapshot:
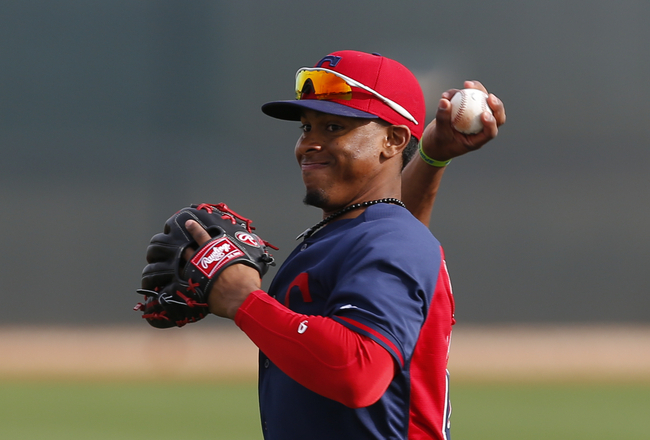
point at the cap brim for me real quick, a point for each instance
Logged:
(292, 110)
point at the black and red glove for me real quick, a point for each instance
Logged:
(176, 291)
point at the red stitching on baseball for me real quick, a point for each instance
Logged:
(461, 108)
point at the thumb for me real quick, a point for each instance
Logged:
(443, 113)
(199, 234)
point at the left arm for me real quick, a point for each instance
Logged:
(315, 351)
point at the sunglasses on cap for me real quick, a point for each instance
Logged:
(328, 84)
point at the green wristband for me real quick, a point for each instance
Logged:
(432, 162)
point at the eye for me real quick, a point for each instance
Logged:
(305, 128)
(333, 127)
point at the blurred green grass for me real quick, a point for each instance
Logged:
(228, 411)
(128, 411)
(559, 411)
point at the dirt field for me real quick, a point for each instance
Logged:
(201, 352)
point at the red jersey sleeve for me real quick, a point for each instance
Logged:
(317, 352)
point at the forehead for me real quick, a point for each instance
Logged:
(314, 115)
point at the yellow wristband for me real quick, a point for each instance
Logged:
(432, 162)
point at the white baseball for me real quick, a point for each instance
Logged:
(467, 106)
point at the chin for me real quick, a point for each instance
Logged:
(316, 198)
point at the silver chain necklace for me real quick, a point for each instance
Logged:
(310, 231)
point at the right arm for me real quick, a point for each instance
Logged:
(440, 141)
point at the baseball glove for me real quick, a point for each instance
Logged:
(176, 291)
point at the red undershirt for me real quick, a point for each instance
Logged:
(317, 352)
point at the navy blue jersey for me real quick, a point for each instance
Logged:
(382, 275)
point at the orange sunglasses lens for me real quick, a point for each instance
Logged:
(324, 85)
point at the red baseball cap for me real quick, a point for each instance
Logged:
(358, 85)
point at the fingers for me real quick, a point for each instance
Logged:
(199, 234)
(475, 85)
(490, 126)
(498, 109)
(495, 103)
(489, 132)
(449, 94)
(443, 115)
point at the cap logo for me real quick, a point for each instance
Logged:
(333, 60)
(215, 255)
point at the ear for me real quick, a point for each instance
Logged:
(397, 138)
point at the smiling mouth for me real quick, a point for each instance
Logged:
(308, 166)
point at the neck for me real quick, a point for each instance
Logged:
(341, 213)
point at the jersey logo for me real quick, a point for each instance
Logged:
(302, 283)
(215, 255)
(333, 60)
(302, 328)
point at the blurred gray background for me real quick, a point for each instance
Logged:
(115, 114)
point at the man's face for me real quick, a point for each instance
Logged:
(341, 159)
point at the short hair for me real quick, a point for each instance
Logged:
(410, 150)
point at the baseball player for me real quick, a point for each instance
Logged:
(354, 331)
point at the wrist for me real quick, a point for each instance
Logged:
(430, 161)
(226, 303)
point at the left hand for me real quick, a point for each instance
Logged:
(441, 141)
(234, 283)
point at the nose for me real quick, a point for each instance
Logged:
(307, 143)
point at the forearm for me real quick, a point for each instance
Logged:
(317, 352)
(420, 184)
(232, 288)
